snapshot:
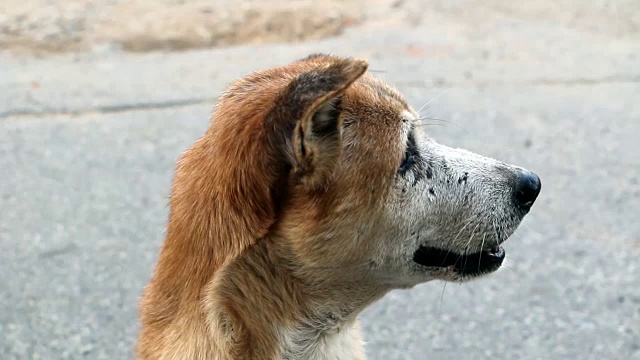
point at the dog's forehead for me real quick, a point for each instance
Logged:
(371, 100)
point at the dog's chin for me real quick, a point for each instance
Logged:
(449, 265)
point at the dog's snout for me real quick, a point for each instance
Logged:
(526, 189)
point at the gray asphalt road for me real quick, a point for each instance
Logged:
(88, 144)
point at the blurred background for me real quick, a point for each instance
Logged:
(99, 98)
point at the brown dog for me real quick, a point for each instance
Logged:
(310, 196)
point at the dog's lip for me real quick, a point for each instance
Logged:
(485, 261)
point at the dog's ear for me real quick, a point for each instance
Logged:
(229, 185)
(313, 100)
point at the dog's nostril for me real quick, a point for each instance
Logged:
(526, 190)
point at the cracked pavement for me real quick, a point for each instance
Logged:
(88, 144)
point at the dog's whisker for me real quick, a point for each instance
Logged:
(473, 234)
(428, 102)
(468, 246)
(441, 120)
(429, 124)
(529, 229)
(481, 247)
(473, 218)
(442, 296)
(518, 236)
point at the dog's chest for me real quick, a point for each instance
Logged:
(339, 344)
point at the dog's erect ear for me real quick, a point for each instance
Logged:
(313, 99)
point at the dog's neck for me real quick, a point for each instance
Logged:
(266, 299)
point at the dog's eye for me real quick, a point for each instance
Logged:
(410, 155)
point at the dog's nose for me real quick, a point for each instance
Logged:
(526, 190)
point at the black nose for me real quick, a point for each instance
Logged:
(526, 190)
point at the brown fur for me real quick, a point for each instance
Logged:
(308, 198)
(259, 209)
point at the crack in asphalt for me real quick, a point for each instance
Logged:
(106, 109)
(141, 106)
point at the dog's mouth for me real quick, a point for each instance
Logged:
(476, 264)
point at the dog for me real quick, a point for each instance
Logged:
(309, 197)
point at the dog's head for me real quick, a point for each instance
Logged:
(328, 160)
